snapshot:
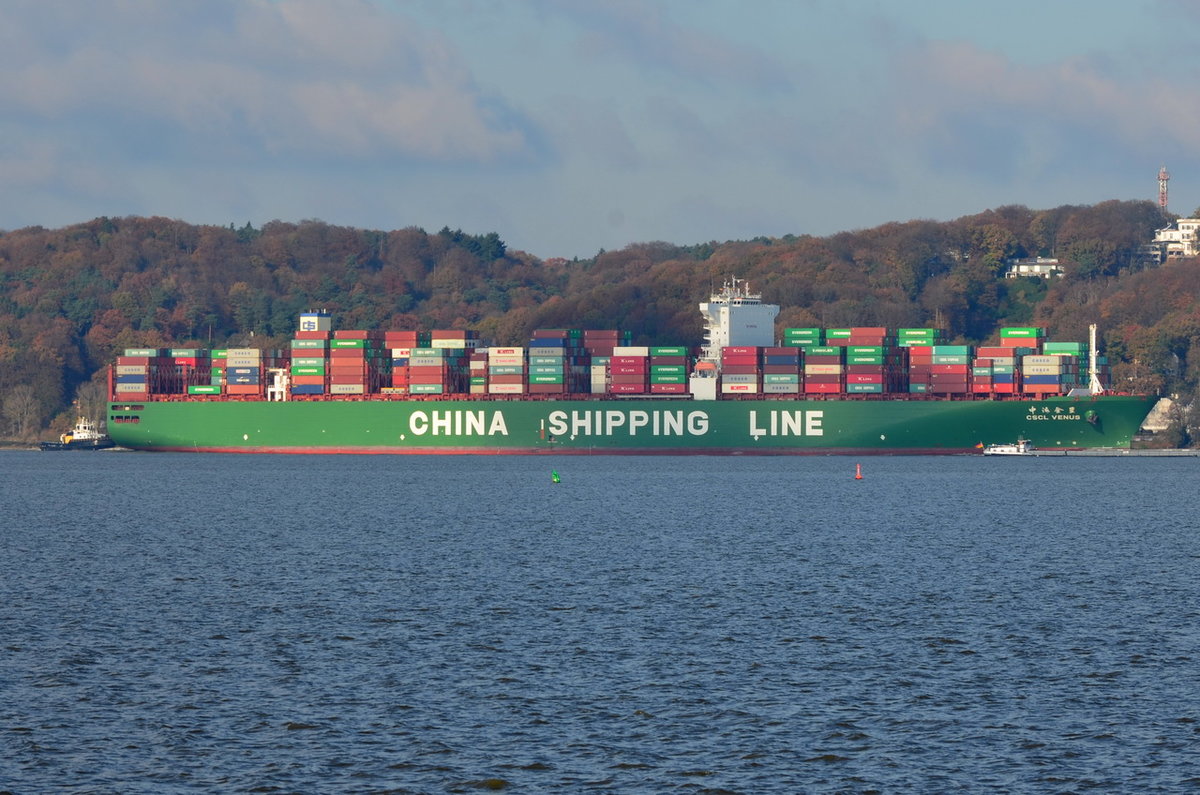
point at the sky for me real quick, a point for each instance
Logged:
(571, 126)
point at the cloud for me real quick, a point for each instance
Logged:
(229, 78)
(643, 33)
(981, 109)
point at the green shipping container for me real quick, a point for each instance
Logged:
(548, 361)
(506, 369)
(309, 345)
(186, 353)
(862, 389)
(1022, 331)
(838, 333)
(203, 389)
(825, 350)
(308, 361)
(308, 370)
(668, 378)
(951, 350)
(546, 379)
(668, 369)
(674, 350)
(541, 369)
(427, 389)
(865, 350)
(152, 352)
(781, 378)
(852, 359)
(951, 358)
(220, 353)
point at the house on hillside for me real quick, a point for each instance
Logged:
(1176, 240)
(1045, 267)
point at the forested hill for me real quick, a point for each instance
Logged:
(72, 298)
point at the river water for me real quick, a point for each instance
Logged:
(222, 623)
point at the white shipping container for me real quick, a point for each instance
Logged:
(1033, 358)
(739, 378)
(506, 389)
(133, 369)
(739, 389)
(254, 353)
(1041, 369)
(346, 389)
(781, 389)
(131, 387)
(631, 350)
(823, 369)
(505, 352)
(506, 360)
(242, 361)
(401, 353)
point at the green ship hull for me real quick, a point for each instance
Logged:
(637, 426)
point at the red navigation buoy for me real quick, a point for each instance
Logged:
(858, 471)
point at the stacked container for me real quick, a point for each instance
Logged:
(598, 346)
(506, 373)
(950, 369)
(244, 372)
(399, 345)
(741, 370)
(781, 370)
(629, 370)
(669, 369)
(824, 369)
(802, 337)
(138, 373)
(436, 371)
(309, 366)
(555, 361)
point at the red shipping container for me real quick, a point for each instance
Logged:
(962, 369)
(627, 389)
(546, 389)
(816, 388)
(864, 369)
(824, 358)
(739, 359)
(626, 369)
(867, 340)
(781, 351)
(349, 334)
(631, 361)
(949, 378)
(920, 369)
(506, 379)
(868, 331)
(428, 370)
(1004, 389)
(243, 389)
(347, 353)
(835, 379)
(400, 339)
(668, 389)
(308, 380)
(740, 369)
(668, 360)
(948, 389)
(990, 351)
(920, 350)
(919, 359)
(981, 389)
(862, 378)
(637, 378)
(780, 369)
(599, 350)
(739, 350)
(127, 360)
(311, 335)
(545, 334)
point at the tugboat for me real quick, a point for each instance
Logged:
(83, 437)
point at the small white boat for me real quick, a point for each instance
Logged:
(1022, 447)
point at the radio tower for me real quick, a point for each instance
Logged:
(1163, 176)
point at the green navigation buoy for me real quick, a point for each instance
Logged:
(554, 476)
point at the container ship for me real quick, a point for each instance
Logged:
(575, 391)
